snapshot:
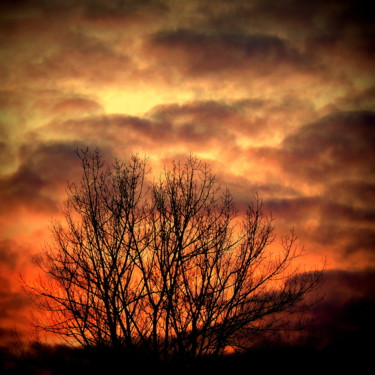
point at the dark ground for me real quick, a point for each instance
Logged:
(61, 360)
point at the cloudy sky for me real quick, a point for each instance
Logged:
(277, 96)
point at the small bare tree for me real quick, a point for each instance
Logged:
(168, 265)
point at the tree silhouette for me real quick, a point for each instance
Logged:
(170, 265)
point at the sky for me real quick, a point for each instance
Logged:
(277, 96)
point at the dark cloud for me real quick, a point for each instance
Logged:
(330, 211)
(59, 44)
(231, 121)
(337, 37)
(9, 254)
(112, 131)
(319, 17)
(200, 122)
(97, 60)
(164, 127)
(195, 125)
(222, 124)
(13, 305)
(41, 175)
(94, 10)
(356, 193)
(125, 9)
(344, 318)
(8, 337)
(345, 28)
(201, 53)
(347, 231)
(245, 189)
(11, 302)
(337, 146)
(294, 210)
(360, 242)
(346, 241)
(335, 156)
(347, 221)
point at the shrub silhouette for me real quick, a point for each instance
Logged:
(168, 267)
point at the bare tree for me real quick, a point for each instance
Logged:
(168, 265)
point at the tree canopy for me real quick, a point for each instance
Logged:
(170, 265)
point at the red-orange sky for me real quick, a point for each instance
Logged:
(278, 97)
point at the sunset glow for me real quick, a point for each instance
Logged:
(277, 97)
